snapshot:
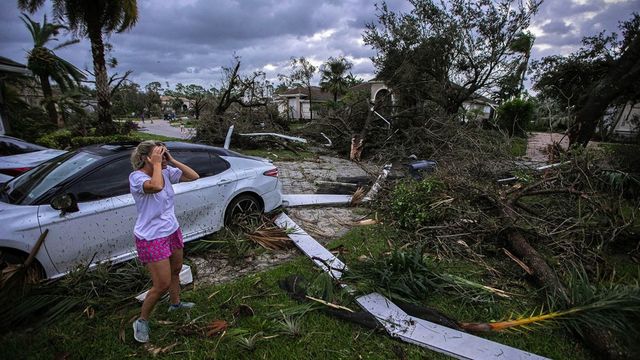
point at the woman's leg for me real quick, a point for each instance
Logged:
(161, 279)
(175, 261)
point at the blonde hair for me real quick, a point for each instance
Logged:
(142, 151)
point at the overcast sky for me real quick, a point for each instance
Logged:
(189, 40)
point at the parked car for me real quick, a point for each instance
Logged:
(82, 198)
(18, 156)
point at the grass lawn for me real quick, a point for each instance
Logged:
(108, 334)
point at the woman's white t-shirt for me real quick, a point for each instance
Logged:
(156, 213)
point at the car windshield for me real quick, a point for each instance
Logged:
(28, 187)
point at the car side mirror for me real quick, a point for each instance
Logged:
(66, 203)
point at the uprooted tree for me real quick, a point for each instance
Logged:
(444, 52)
(604, 72)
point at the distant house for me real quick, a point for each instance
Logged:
(626, 120)
(295, 102)
(8, 67)
(168, 101)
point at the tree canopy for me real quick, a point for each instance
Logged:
(444, 52)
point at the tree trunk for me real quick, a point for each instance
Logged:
(623, 74)
(103, 95)
(48, 100)
(310, 110)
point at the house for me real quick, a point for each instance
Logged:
(8, 68)
(168, 101)
(295, 102)
(626, 119)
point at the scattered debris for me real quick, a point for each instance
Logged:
(216, 327)
(293, 200)
(286, 137)
(373, 192)
(270, 237)
(329, 140)
(227, 140)
(157, 350)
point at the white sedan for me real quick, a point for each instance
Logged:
(82, 198)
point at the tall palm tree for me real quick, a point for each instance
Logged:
(45, 64)
(93, 19)
(334, 76)
(522, 44)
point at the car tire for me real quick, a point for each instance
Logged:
(242, 210)
(34, 273)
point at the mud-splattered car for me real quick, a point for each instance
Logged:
(82, 198)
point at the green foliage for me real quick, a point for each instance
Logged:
(429, 52)
(59, 139)
(518, 146)
(416, 204)
(515, 116)
(64, 139)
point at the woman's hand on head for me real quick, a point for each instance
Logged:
(156, 155)
(167, 154)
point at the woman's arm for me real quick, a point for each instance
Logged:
(157, 180)
(188, 174)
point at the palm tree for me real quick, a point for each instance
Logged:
(334, 77)
(522, 44)
(93, 19)
(45, 64)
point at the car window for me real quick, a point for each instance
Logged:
(200, 161)
(10, 146)
(219, 165)
(107, 181)
(28, 187)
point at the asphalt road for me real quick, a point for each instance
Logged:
(162, 127)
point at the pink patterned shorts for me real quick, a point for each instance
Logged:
(158, 249)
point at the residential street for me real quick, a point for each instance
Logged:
(162, 127)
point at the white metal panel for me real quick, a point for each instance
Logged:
(292, 200)
(436, 337)
(322, 257)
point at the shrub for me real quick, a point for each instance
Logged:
(59, 139)
(81, 141)
(515, 116)
(416, 204)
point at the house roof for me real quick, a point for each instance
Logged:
(8, 65)
(317, 94)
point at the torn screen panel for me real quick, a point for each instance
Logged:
(292, 200)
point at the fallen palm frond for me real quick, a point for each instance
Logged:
(270, 237)
(105, 287)
(357, 196)
(612, 307)
(411, 277)
(25, 271)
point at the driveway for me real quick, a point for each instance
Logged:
(162, 127)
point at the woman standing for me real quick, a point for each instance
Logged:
(157, 232)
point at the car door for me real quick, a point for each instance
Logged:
(200, 204)
(94, 232)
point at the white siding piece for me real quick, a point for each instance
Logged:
(322, 257)
(292, 200)
(436, 337)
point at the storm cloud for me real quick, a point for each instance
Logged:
(189, 41)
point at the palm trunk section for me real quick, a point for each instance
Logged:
(48, 98)
(105, 122)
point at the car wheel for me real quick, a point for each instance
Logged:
(242, 211)
(10, 263)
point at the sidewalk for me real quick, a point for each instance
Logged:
(162, 127)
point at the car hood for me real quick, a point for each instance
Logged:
(29, 160)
